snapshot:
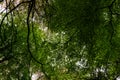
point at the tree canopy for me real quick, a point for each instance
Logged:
(60, 39)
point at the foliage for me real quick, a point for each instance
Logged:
(63, 39)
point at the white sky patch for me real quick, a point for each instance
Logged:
(4, 4)
(78, 63)
(81, 63)
(37, 75)
(2, 9)
(118, 78)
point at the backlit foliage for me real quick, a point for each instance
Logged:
(60, 39)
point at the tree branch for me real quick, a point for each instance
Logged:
(28, 35)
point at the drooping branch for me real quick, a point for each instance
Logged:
(28, 34)
(12, 11)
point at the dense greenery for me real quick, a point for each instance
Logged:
(61, 39)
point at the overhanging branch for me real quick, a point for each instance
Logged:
(28, 34)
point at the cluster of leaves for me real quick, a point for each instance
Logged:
(93, 29)
(63, 39)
